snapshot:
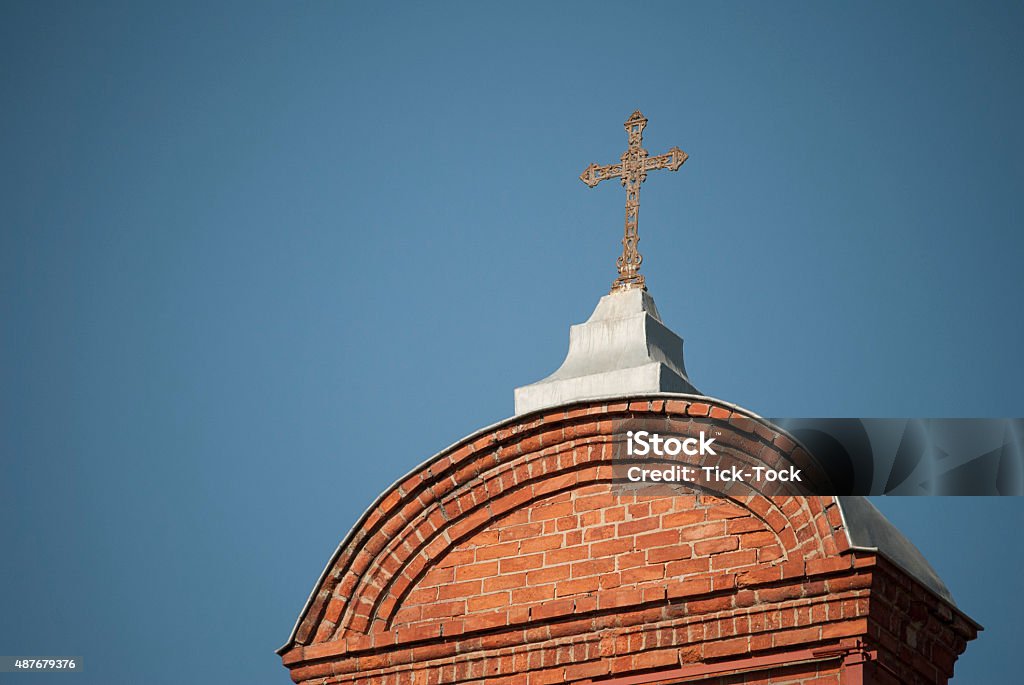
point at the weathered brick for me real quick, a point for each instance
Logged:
(521, 563)
(726, 544)
(663, 554)
(489, 552)
(473, 571)
(576, 586)
(485, 602)
(537, 571)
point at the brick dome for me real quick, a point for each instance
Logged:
(510, 557)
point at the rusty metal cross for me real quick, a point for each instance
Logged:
(632, 169)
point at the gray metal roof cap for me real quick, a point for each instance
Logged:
(624, 348)
(869, 530)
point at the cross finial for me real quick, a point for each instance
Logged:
(632, 169)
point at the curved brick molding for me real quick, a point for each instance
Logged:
(511, 558)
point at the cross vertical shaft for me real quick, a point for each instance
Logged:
(632, 170)
(629, 261)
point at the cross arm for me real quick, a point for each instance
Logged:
(596, 173)
(671, 160)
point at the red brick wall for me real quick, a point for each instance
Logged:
(511, 558)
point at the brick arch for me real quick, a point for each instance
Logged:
(662, 549)
(531, 462)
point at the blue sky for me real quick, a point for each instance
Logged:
(258, 260)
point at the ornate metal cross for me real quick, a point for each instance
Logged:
(633, 171)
